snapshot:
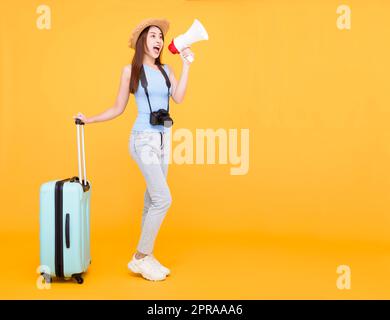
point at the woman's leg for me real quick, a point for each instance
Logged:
(148, 157)
(165, 146)
(146, 207)
(147, 199)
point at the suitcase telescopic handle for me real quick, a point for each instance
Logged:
(79, 123)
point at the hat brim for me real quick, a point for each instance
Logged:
(163, 24)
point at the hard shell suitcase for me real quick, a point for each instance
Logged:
(65, 223)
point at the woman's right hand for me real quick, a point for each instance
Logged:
(82, 117)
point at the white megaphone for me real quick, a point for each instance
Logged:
(195, 33)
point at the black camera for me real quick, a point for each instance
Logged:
(161, 117)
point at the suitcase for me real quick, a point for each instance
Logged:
(65, 223)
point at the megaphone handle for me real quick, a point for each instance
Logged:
(189, 58)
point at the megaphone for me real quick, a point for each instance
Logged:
(195, 33)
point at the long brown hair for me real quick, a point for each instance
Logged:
(138, 57)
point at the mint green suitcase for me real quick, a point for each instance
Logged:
(65, 223)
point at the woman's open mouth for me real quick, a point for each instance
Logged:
(156, 49)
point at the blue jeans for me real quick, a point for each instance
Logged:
(151, 150)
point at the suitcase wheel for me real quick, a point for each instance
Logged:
(79, 279)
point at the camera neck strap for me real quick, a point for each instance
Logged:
(144, 83)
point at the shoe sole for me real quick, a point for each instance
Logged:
(135, 269)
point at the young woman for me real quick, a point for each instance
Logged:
(149, 143)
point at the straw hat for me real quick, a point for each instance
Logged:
(163, 24)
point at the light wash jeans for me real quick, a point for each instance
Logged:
(151, 152)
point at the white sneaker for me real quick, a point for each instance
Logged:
(162, 268)
(147, 267)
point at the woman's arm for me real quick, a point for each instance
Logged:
(179, 88)
(121, 100)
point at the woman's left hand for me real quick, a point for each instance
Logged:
(184, 53)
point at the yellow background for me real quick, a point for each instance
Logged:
(316, 101)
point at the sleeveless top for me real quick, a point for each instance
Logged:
(158, 92)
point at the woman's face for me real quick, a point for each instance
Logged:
(154, 42)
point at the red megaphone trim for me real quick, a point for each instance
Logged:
(172, 47)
